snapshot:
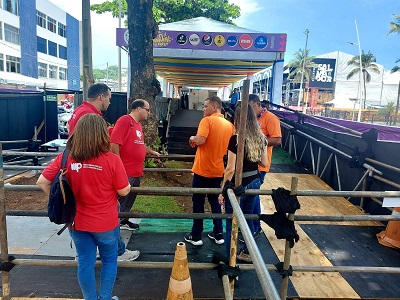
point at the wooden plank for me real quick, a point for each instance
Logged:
(310, 284)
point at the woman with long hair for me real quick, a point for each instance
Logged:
(255, 153)
(96, 177)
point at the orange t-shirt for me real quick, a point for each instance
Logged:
(270, 126)
(209, 156)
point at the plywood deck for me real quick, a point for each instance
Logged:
(305, 252)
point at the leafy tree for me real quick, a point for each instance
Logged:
(143, 17)
(144, 84)
(167, 11)
(387, 111)
(296, 65)
(395, 28)
(368, 64)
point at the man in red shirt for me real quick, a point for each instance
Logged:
(270, 126)
(127, 141)
(99, 96)
(211, 140)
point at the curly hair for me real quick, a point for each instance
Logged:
(255, 141)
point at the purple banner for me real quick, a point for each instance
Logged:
(263, 42)
(385, 133)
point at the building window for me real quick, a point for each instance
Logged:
(1, 31)
(52, 49)
(11, 34)
(62, 29)
(62, 73)
(42, 68)
(40, 19)
(52, 71)
(62, 52)
(41, 45)
(1, 62)
(51, 24)
(13, 64)
(11, 6)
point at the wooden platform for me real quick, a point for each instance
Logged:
(305, 252)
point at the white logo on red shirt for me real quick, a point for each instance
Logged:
(139, 134)
(76, 167)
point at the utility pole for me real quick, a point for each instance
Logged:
(361, 75)
(301, 95)
(86, 48)
(119, 48)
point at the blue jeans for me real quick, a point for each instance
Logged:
(199, 201)
(257, 205)
(86, 244)
(247, 203)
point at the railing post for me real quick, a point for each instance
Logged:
(5, 276)
(286, 260)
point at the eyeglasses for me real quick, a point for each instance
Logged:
(148, 110)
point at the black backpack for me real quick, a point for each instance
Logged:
(61, 208)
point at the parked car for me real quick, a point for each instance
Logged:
(63, 119)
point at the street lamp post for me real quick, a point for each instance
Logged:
(119, 48)
(302, 71)
(361, 76)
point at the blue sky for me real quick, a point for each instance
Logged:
(331, 25)
(330, 22)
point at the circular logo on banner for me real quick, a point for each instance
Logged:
(245, 41)
(232, 40)
(194, 39)
(126, 37)
(207, 40)
(181, 39)
(261, 42)
(219, 40)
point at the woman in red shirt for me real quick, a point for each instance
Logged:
(96, 176)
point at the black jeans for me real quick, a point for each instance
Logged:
(199, 201)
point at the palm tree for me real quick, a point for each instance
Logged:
(387, 111)
(395, 28)
(296, 66)
(368, 64)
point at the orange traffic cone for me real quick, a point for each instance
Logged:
(391, 236)
(180, 284)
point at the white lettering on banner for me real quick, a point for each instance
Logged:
(324, 73)
(76, 167)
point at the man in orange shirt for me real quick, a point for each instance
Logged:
(270, 126)
(211, 140)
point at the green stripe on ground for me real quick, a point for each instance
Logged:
(171, 225)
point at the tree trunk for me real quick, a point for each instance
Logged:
(144, 84)
(397, 106)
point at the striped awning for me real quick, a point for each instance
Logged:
(206, 72)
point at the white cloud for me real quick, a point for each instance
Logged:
(104, 49)
(247, 8)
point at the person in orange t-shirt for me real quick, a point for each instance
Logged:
(211, 140)
(270, 126)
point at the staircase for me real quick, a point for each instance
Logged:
(182, 125)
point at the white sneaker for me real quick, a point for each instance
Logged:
(129, 255)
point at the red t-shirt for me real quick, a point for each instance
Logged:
(83, 109)
(94, 183)
(128, 134)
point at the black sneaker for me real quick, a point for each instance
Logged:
(127, 225)
(194, 241)
(255, 235)
(218, 238)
